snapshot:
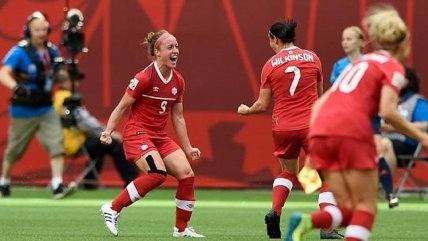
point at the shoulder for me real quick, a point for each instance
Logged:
(15, 53)
(422, 101)
(145, 74)
(178, 74)
(343, 61)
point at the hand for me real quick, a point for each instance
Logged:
(193, 154)
(105, 138)
(20, 91)
(243, 109)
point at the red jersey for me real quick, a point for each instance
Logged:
(292, 75)
(154, 96)
(354, 98)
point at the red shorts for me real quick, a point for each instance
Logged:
(288, 143)
(342, 153)
(136, 146)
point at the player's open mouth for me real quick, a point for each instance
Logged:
(173, 59)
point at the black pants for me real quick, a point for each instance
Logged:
(402, 148)
(97, 151)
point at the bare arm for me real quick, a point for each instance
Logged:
(388, 111)
(422, 125)
(261, 104)
(180, 128)
(115, 117)
(6, 78)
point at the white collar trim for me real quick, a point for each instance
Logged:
(290, 48)
(165, 81)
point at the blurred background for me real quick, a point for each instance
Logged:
(223, 46)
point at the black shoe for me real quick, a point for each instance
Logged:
(330, 235)
(4, 190)
(62, 191)
(272, 221)
(393, 201)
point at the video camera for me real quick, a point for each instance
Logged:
(73, 39)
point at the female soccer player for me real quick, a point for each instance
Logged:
(152, 95)
(293, 76)
(353, 45)
(341, 136)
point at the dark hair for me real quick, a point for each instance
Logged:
(413, 78)
(283, 30)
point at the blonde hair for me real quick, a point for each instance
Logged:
(385, 27)
(358, 32)
(150, 41)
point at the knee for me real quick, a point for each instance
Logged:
(185, 174)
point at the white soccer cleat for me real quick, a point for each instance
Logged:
(189, 232)
(110, 218)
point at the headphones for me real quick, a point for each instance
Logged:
(36, 15)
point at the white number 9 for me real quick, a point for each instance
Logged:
(163, 107)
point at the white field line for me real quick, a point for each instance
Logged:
(202, 203)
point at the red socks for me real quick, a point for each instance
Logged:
(331, 217)
(282, 186)
(184, 201)
(360, 227)
(137, 189)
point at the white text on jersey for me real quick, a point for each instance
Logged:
(307, 57)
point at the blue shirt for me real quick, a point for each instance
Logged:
(420, 114)
(18, 59)
(338, 68)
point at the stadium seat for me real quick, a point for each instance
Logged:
(90, 163)
(407, 176)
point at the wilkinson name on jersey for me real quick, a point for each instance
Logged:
(307, 57)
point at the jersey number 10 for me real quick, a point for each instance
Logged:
(350, 77)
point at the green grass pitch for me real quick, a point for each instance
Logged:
(31, 214)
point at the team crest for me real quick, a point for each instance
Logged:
(174, 91)
(144, 147)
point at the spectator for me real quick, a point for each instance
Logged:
(29, 70)
(153, 94)
(353, 45)
(81, 128)
(414, 108)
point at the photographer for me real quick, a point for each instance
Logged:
(29, 70)
(81, 128)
